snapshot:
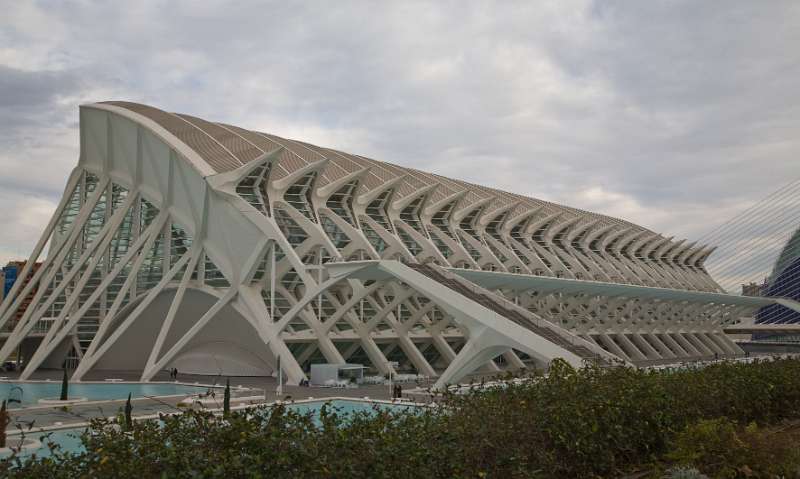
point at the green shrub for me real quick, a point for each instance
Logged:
(713, 445)
(722, 449)
(571, 423)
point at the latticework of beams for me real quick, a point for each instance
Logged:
(176, 235)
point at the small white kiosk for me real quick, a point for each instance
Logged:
(337, 375)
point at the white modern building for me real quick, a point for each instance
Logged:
(214, 249)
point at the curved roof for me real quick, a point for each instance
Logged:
(226, 147)
(789, 253)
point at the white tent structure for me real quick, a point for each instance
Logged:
(210, 248)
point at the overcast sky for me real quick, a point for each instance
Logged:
(673, 115)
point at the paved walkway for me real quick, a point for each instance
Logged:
(60, 417)
(82, 413)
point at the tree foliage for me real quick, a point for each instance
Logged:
(226, 400)
(5, 420)
(64, 386)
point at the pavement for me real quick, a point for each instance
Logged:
(77, 415)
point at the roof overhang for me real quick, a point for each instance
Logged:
(524, 282)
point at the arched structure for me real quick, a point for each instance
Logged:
(184, 242)
(783, 282)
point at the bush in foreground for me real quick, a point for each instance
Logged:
(723, 420)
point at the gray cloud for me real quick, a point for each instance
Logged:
(32, 90)
(673, 115)
(37, 121)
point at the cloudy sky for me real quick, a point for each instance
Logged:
(675, 115)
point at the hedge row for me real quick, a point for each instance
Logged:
(572, 423)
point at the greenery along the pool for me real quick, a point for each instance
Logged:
(726, 420)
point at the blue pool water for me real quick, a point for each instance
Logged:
(348, 407)
(33, 391)
(69, 439)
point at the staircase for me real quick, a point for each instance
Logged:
(510, 311)
(86, 329)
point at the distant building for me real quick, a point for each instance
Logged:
(752, 289)
(9, 276)
(784, 282)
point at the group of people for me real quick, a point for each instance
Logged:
(397, 391)
(173, 373)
